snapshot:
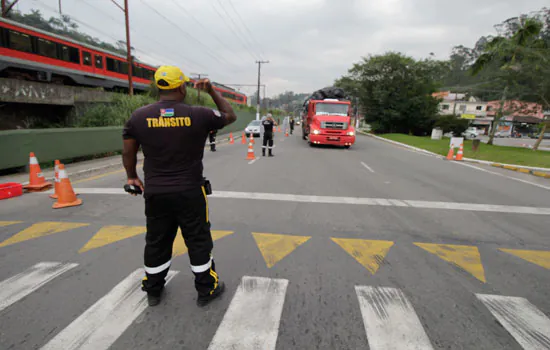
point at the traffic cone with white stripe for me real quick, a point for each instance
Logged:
(451, 154)
(37, 181)
(56, 186)
(286, 133)
(252, 138)
(460, 153)
(250, 154)
(243, 139)
(231, 140)
(66, 196)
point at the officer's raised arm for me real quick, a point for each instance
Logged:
(223, 105)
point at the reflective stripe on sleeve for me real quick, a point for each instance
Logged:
(202, 268)
(158, 269)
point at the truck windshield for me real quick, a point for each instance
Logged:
(331, 109)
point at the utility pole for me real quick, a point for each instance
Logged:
(6, 9)
(199, 76)
(126, 11)
(258, 96)
(60, 12)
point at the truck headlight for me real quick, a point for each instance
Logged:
(316, 132)
(351, 133)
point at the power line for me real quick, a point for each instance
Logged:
(246, 28)
(185, 11)
(206, 49)
(193, 63)
(230, 28)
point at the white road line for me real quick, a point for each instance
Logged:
(368, 167)
(527, 324)
(252, 319)
(19, 286)
(101, 325)
(508, 177)
(390, 320)
(254, 160)
(283, 197)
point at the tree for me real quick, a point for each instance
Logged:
(520, 57)
(394, 92)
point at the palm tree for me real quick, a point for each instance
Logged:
(509, 54)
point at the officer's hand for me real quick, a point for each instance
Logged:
(204, 85)
(136, 182)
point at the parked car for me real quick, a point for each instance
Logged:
(253, 128)
(546, 136)
(470, 133)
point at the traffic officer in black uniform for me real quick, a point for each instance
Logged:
(268, 125)
(172, 135)
(212, 140)
(291, 125)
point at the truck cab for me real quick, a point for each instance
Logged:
(328, 122)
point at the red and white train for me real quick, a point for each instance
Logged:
(33, 54)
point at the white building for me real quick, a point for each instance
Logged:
(472, 106)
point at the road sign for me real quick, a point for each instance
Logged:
(456, 142)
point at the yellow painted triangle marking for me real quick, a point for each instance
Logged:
(463, 256)
(7, 223)
(368, 253)
(41, 229)
(179, 247)
(537, 257)
(111, 234)
(275, 247)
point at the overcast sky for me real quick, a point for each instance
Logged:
(309, 43)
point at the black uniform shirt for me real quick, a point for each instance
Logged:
(172, 136)
(268, 125)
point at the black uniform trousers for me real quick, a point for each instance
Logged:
(212, 140)
(267, 142)
(165, 213)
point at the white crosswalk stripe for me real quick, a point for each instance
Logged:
(527, 324)
(390, 320)
(19, 286)
(254, 314)
(101, 325)
(252, 319)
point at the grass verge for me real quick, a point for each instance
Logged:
(497, 154)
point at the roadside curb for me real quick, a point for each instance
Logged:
(524, 170)
(535, 171)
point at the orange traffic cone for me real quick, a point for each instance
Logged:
(460, 153)
(56, 183)
(231, 140)
(286, 133)
(250, 154)
(66, 196)
(252, 138)
(37, 181)
(450, 155)
(243, 139)
(280, 128)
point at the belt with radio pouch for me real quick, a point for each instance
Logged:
(207, 186)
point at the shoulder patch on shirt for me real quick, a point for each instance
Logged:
(217, 113)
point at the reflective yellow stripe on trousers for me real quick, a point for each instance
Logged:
(206, 200)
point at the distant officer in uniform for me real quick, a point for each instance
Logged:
(268, 124)
(172, 135)
(212, 140)
(291, 125)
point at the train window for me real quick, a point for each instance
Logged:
(70, 54)
(123, 67)
(20, 41)
(3, 37)
(46, 48)
(112, 65)
(99, 61)
(86, 58)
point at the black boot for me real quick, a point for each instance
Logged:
(153, 299)
(204, 300)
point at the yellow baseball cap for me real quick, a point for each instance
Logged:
(169, 77)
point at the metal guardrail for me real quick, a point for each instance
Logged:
(67, 143)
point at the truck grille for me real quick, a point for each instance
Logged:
(334, 125)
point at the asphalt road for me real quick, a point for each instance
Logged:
(321, 248)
